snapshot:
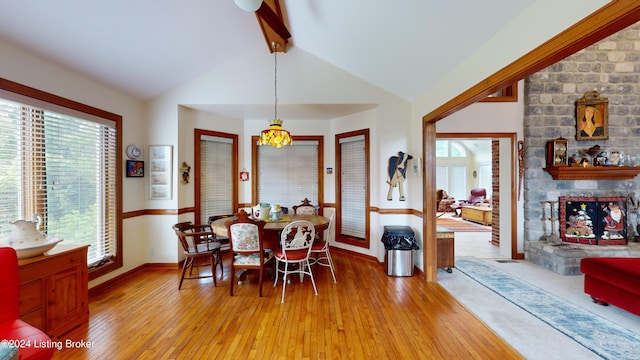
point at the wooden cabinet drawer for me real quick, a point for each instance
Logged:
(34, 318)
(31, 296)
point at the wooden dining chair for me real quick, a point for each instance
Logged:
(223, 240)
(320, 250)
(295, 246)
(306, 208)
(246, 238)
(197, 246)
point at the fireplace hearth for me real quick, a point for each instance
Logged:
(564, 258)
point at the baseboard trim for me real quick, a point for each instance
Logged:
(113, 282)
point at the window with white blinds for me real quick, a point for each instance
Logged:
(353, 186)
(63, 167)
(216, 176)
(288, 175)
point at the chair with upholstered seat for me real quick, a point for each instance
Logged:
(444, 201)
(246, 236)
(199, 250)
(306, 208)
(295, 246)
(320, 249)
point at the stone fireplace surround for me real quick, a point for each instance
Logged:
(611, 67)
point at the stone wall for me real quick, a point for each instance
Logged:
(612, 68)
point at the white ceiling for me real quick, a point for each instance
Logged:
(147, 47)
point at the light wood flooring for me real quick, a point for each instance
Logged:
(366, 315)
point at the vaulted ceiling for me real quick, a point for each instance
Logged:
(146, 47)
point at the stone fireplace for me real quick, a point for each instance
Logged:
(612, 68)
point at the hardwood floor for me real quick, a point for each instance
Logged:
(367, 314)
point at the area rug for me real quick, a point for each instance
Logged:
(461, 225)
(602, 337)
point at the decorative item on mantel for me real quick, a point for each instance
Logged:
(594, 163)
(275, 135)
(557, 154)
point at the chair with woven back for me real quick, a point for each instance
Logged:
(306, 208)
(199, 250)
(246, 238)
(320, 249)
(295, 247)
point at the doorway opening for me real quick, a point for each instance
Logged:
(467, 161)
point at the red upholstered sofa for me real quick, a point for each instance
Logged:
(32, 343)
(613, 280)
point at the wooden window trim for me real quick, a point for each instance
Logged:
(338, 224)
(115, 262)
(507, 94)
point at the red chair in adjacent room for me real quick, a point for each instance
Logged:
(33, 342)
(478, 196)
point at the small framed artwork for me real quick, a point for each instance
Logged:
(160, 176)
(592, 117)
(135, 168)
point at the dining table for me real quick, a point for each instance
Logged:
(272, 231)
(273, 227)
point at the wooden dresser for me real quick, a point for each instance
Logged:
(54, 295)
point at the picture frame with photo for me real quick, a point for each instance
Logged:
(160, 174)
(135, 168)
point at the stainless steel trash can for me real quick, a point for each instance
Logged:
(399, 243)
(399, 262)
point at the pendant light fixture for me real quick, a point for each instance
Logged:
(248, 5)
(275, 135)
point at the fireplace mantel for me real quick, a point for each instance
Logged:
(592, 172)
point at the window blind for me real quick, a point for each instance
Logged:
(353, 186)
(288, 175)
(64, 168)
(216, 177)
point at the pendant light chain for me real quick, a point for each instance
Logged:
(275, 135)
(275, 80)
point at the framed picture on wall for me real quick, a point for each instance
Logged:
(160, 161)
(592, 117)
(135, 168)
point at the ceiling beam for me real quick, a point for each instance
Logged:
(271, 21)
